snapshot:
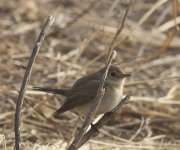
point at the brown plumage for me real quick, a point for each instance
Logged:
(81, 95)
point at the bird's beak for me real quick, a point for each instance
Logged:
(125, 75)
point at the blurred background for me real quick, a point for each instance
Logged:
(76, 44)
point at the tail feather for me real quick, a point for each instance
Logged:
(50, 90)
(56, 113)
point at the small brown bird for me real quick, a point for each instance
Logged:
(81, 95)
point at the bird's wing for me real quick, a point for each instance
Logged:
(80, 97)
(81, 83)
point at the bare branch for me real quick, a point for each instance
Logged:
(91, 113)
(26, 78)
(106, 118)
(120, 28)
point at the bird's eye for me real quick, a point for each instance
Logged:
(113, 74)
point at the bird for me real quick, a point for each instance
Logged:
(80, 96)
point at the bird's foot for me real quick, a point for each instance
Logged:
(94, 127)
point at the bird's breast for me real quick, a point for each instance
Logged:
(110, 100)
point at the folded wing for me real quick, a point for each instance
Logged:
(80, 97)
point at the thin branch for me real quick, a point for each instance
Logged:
(175, 4)
(120, 28)
(92, 111)
(106, 118)
(26, 78)
(165, 44)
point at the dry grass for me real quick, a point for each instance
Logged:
(77, 43)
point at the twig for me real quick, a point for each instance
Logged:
(149, 13)
(106, 118)
(92, 111)
(175, 5)
(166, 44)
(26, 78)
(120, 28)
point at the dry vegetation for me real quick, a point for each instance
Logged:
(77, 44)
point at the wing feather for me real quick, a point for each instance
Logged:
(80, 97)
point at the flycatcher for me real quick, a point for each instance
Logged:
(81, 95)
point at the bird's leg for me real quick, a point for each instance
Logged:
(94, 127)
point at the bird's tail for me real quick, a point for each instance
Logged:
(50, 90)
